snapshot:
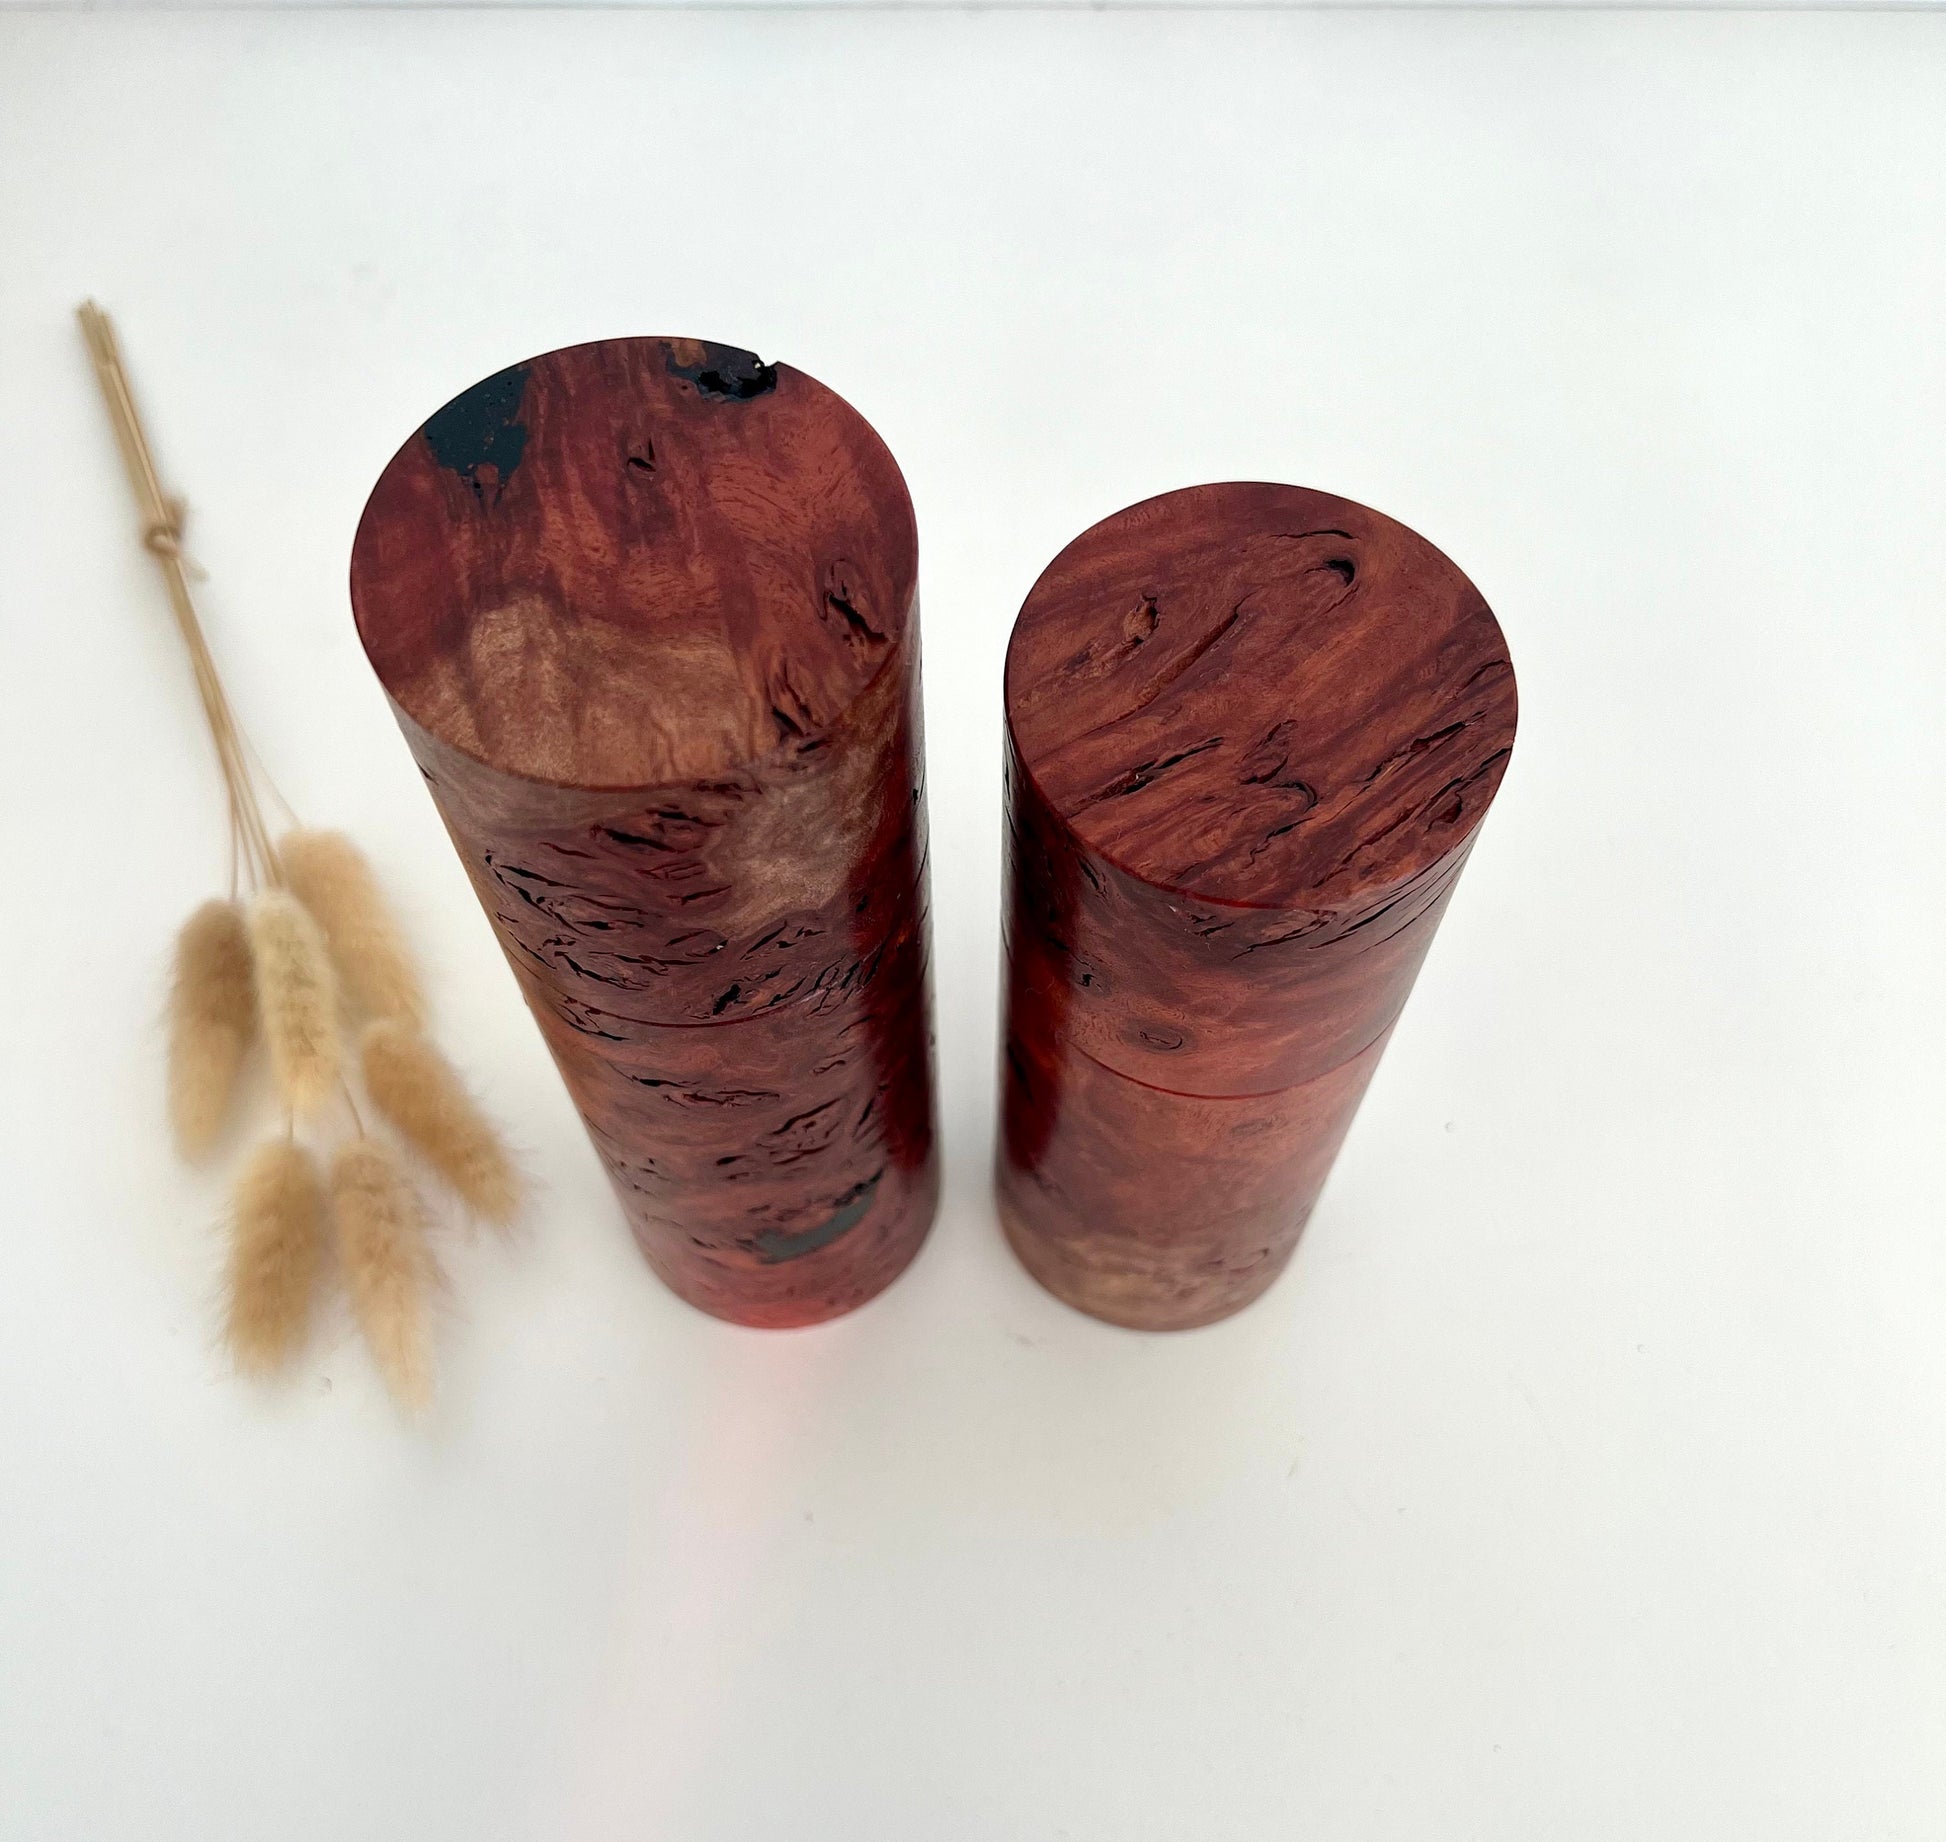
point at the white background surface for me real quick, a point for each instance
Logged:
(1583, 1478)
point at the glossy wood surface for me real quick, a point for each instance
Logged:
(647, 614)
(1251, 733)
(1157, 1210)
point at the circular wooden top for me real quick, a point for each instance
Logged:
(636, 563)
(1261, 695)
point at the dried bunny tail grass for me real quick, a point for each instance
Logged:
(212, 1017)
(277, 1240)
(331, 877)
(297, 997)
(388, 1265)
(418, 1091)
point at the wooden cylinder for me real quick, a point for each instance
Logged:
(1251, 733)
(647, 613)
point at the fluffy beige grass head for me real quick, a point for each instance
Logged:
(276, 1240)
(297, 998)
(418, 1091)
(212, 1017)
(389, 1268)
(331, 877)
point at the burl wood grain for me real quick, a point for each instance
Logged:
(647, 614)
(1251, 733)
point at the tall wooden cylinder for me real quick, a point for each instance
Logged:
(647, 614)
(1251, 732)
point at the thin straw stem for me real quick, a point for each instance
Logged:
(162, 524)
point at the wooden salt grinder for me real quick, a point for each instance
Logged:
(1252, 731)
(647, 614)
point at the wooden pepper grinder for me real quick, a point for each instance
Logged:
(646, 610)
(1252, 731)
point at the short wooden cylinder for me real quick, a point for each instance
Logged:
(647, 613)
(1251, 733)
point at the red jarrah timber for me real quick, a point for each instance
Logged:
(1251, 733)
(647, 613)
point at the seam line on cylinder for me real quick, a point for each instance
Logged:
(1267, 1093)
